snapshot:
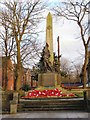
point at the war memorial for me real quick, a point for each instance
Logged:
(49, 95)
(49, 77)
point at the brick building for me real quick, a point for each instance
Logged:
(7, 74)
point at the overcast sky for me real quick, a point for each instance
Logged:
(71, 47)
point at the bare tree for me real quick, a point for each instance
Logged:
(65, 66)
(77, 68)
(22, 18)
(77, 11)
(7, 45)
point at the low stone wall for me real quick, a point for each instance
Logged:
(69, 80)
(88, 94)
(7, 96)
(0, 101)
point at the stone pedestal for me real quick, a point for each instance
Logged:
(48, 79)
(13, 103)
(15, 96)
(13, 107)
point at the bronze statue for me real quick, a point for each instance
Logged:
(46, 62)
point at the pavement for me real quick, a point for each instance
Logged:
(37, 115)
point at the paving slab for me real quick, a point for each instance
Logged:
(49, 114)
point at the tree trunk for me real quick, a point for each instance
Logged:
(18, 81)
(6, 61)
(85, 67)
(88, 69)
(6, 78)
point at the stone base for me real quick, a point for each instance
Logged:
(48, 79)
(13, 107)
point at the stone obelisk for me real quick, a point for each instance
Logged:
(49, 78)
(49, 36)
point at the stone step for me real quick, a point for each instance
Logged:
(51, 99)
(49, 109)
(50, 104)
(34, 105)
(71, 107)
(53, 106)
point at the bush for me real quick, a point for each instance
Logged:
(25, 87)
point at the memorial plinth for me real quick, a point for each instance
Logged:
(49, 79)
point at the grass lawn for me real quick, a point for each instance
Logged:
(78, 93)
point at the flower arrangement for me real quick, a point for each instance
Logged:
(47, 93)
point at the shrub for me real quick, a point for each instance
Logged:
(25, 87)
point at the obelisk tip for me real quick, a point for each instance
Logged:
(49, 14)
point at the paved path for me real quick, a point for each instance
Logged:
(49, 114)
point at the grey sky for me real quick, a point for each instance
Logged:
(71, 47)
